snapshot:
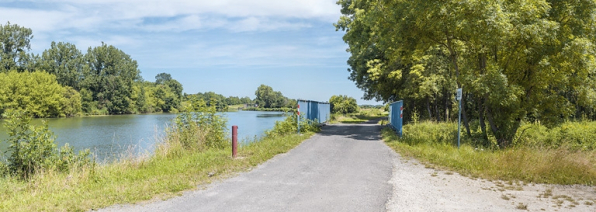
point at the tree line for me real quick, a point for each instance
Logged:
(220, 102)
(64, 81)
(517, 61)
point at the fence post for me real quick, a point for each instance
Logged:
(234, 141)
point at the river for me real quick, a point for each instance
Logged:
(112, 137)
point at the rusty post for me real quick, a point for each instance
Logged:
(234, 141)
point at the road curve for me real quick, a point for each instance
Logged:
(345, 167)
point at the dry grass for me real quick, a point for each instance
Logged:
(538, 165)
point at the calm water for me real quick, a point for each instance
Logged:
(111, 137)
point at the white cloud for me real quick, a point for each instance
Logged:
(95, 15)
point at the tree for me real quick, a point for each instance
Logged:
(38, 93)
(65, 61)
(14, 43)
(343, 104)
(268, 98)
(109, 76)
(162, 78)
(516, 60)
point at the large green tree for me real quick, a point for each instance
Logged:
(343, 104)
(65, 61)
(38, 93)
(109, 76)
(516, 60)
(15, 41)
(268, 98)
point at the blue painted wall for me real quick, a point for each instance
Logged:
(396, 117)
(313, 110)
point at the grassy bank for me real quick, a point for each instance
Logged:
(134, 180)
(176, 166)
(538, 155)
(361, 116)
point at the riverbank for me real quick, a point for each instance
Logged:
(135, 179)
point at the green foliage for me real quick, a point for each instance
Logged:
(196, 130)
(33, 149)
(526, 163)
(109, 77)
(570, 135)
(65, 61)
(71, 102)
(268, 98)
(219, 101)
(283, 109)
(14, 44)
(343, 104)
(135, 180)
(290, 125)
(38, 93)
(516, 60)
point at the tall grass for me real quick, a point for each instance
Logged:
(185, 159)
(361, 116)
(559, 155)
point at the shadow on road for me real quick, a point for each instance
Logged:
(366, 131)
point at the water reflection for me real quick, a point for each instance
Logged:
(112, 137)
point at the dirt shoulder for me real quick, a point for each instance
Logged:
(416, 188)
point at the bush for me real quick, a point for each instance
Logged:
(571, 135)
(32, 148)
(289, 125)
(196, 131)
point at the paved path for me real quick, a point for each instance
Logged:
(343, 168)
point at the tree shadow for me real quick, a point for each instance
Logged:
(366, 131)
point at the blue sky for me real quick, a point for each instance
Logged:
(225, 46)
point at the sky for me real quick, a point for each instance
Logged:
(229, 47)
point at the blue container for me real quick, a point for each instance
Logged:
(396, 110)
(315, 111)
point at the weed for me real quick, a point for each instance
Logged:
(546, 194)
(434, 174)
(505, 197)
(521, 206)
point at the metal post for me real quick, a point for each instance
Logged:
(234, 141)
(298, 121)
(458, 96)
(459, 125)
(298, 117)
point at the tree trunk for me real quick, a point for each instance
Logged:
(481, 117)
(446, 98)
(430, 115)
(482, 68)
(464, 116)
(437, 110)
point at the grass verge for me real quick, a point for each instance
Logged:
(135, 179)
(527, 163)
(361, 116)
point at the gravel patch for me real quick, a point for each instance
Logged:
(416, 188)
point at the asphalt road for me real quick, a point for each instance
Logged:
(342, 168)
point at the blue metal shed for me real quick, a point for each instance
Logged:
(313, 110)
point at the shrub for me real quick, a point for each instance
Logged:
(196, 131)
(32, 148)
(289, 125)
